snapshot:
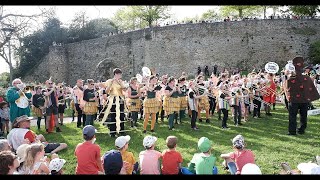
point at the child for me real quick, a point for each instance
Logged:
(237, 159)
(204, 162)
(56, 166)
(4, 114)
(122, 144)
(171, 159)
(112, 162)
(35, 162)
(149, 159)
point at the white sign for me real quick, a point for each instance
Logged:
(271, 67)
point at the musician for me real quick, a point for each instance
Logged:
(270, 94)
(246, 101)
(171, 101)
(38, 103)
(163, 85)
(257, 98)
(183, 97)
(236, 104)
(116, 103)
(223, 98)
(78, 94)
(300, 91)
(193, 104)
(203, 101)
(91, 103)
(61, 102)
(151, 104)
(51, 105)
(14, 93)
(134, 103)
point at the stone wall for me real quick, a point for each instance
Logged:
(178, 48)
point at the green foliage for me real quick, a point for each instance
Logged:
(210, 14)
(314, 52)
(304, 10)
(241, 11)
(4, 79)
(133, 17)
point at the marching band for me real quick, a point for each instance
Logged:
(110, 102)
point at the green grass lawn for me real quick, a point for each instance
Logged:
(266, 137)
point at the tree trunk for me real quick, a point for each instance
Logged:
(10, 63)
(264, 12)
(150, 23)
(240, 13)
(11, 73)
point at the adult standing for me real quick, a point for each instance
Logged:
(51, 97)
(115, 106)
(18, 100)
(78, 93)
(300, 91)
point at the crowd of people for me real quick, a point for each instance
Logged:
(115, 101)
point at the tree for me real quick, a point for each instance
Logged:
(305, 10)
(151, 14)
(133, 17)
(314, 52)
(11, 25)
(241, 11)
(210, 14)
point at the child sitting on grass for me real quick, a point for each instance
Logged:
(149, 159)
(237, 159)
(171, 159)
(204, 162)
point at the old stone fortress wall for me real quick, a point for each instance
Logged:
(183, 47)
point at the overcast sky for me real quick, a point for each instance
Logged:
(66, 13)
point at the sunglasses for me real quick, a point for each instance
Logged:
(92, 84)
(50, 83)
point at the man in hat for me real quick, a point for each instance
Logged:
(300, 91)
(21, 134)
(13, 94)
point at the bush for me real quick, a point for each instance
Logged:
(314, 52)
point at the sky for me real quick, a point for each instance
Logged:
(66, 13)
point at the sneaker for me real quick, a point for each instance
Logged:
(195, 129)
(285, 166)
(240, 124)
(152, 130)
(144, 131)
(207, 121)
(200, 120)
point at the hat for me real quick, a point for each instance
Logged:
(250, 168)
(21, 152)
(238, 141)
(21, 118)
(89, 130)
(148, 141)
(309, 168)
(56, 164)
(121, 141)
(112, 162)
(204, 144)
(298, 63)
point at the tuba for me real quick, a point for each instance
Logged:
(23, 101)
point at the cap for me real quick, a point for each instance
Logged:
(238, 141)
(250, 168)
(121, 141)
(112, 162)
(56, 164)
(309, 168)
(22, 118)
(89, 130)
(21, 152)
(204, 144)
(148, 141)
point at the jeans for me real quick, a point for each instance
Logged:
(89, 119)
(225, 117)
(186, 171)
(232, 167)
(79, 116)
(193, 118)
